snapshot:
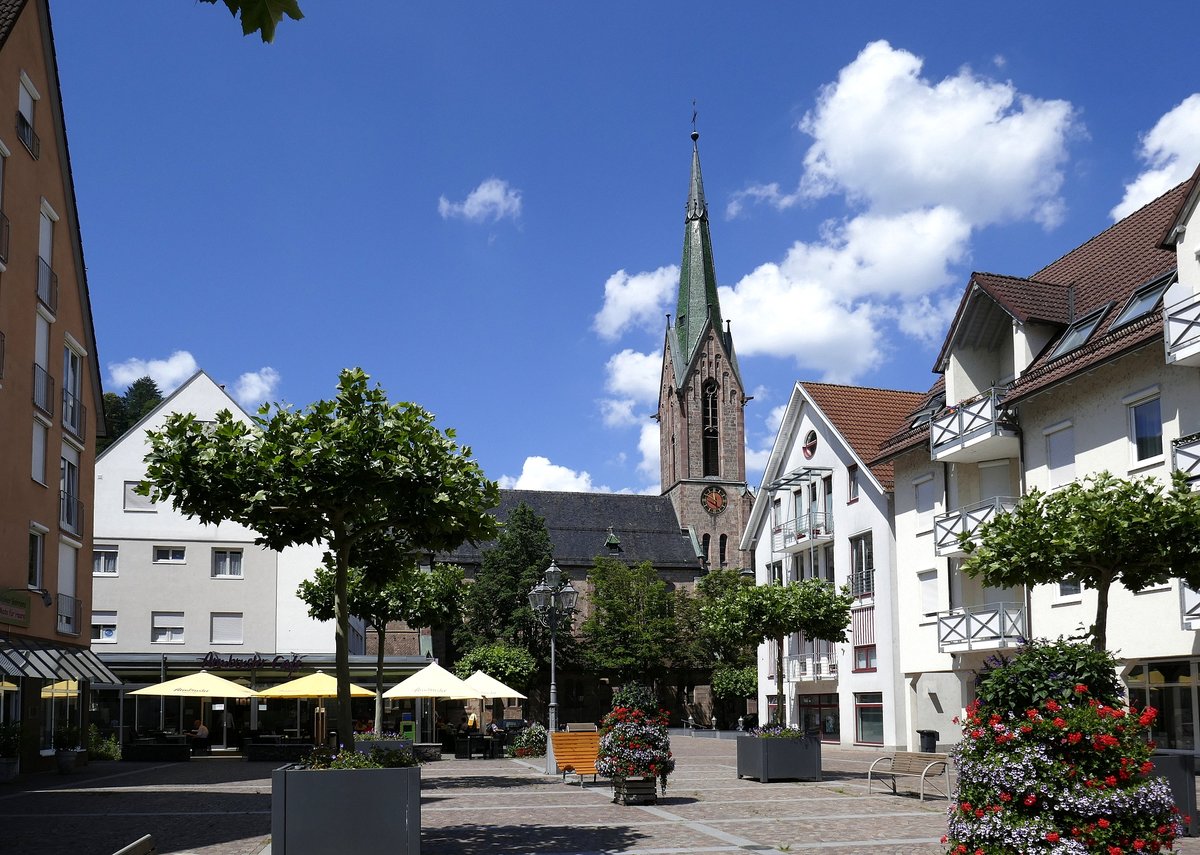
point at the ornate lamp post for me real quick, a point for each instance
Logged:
(553, 599)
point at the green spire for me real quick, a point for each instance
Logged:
(697, 276)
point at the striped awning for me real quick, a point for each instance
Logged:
(33, 657)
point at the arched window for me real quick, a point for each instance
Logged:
(724, 542)
(711, 435)
(704, 548)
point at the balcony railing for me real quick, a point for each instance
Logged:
(47, 286)
(1181, 331)
(862, 582)
(803, 531)
(986, 627)
(74, 414)
(810, 666)
(43, 390)
(966, 520)
(971, 423)
(69, 614)
(70, 512)
(1185, 455)
(27, 136)
(5, 230)
(1189, 607)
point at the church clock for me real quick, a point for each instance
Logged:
(714, 500)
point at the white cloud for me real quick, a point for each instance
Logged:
(255, 387)
(892, 140)
(494, 199)
(640, 300)
(649, 448)
(927, 319)
(619, 412)
(167, 373)
(774, 419)
(635, 375)
(1170, 151)
(538, 473)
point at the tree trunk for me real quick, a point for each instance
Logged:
(379, 680)
(1100, 627)
(341, 610)
(780, 704)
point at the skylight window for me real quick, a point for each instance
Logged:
(1078, 333)
(1143, 300)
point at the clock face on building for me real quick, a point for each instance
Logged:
(714, 500)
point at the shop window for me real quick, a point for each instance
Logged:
(819, 714)
(868, 717)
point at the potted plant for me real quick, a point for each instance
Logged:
(776, 751)
(635, 749)
(10, 749)
(66, 747)
(369, 740)
(379, 791)
(530, 742)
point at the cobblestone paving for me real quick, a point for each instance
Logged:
(221, 806)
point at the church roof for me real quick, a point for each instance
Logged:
(579, 524)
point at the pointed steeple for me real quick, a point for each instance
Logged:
(697, 275)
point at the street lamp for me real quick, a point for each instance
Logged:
(553, 599)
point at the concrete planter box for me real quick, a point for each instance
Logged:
(314, 812)
(776, 759)
(635, 791)
(364, 746)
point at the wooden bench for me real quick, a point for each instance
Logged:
(141, 846)
(575, 753)
(911, 764)
(582, 727)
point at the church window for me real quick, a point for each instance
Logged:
(711, 433)
(724, 543)
(704, 549)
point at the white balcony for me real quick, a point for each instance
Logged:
(967, 520)
(1181, 331)
(1185, 456)
(1189, 608)
(810, 666)
(988, 627)
(978, 429)
(806, 530)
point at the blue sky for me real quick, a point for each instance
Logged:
(482, 204)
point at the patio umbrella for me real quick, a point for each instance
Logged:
(318, 685)
(491, 687)
(61, 689)
(433, 681)
(198, 685)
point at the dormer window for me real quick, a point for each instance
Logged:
(1143, 300)
(1078, 333)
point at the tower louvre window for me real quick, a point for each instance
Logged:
(711, 433)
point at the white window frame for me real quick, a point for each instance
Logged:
(157, 556)
(172, 623)
(103, 620)
(1078, 333)
(222, 558)
(106, 549)
(927, 587)
(135, 503)
(212, 627)
(37, 555)
(851, 483)
(1057, 476)
(39, 436)
(1132, 403)
(924, 517)
(1073, 592)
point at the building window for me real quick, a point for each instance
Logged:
(104, 560)
(70, 508)
(166, 627)
(135, 501)
(169, 555)
(27, 96)
(777, 573)
(225, 628)
(923, 498)
(928, 582)
(711, 435)
(862, 566)
(865, 658)
(72, 391)
(1070, 588)
(704, 542)
(227, 564)
(810, 445)
(829, 564)
(37, 556)
(104, 627)
(1078, 333)
(724, 545)
(1145, 429)
(1142, 301)
(1060, 455)
(852, 483)
(40, 440)
(819, 713)
(868, 717)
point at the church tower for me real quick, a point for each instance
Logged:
(701, 402)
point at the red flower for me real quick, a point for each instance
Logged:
(1052, 836)
(1030, 800)
(979, 813)
(1053, 706)
(1080, 689)
(1059, 722)
(1103, 823)
(1073, 738)
(1139, 844)
(1006, 797)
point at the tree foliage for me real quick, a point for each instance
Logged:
(121, 412)
(753, 615)
(630, 632)
(1101, 531)
(511, 665)
(1047, 670)
(262, 16)
(355, 472)
(733, 682)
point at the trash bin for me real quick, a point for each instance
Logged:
(1179, 768)
(929, 740)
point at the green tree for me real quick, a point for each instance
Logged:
(497, 606)
(262, 16)
(630, 632)
(355, 470)
(121, 412)
(508, 663)
(419, 598)
(753, 615)
(1100, 531)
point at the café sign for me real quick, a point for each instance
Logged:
(290, 664)
(14, 608)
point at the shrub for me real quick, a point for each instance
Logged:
(10, 739)
(635, 696)
(376, 758)
(1041, 670)
(731, 682)
(530, 742)
(107, 748)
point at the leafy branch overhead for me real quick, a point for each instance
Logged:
(262, 16)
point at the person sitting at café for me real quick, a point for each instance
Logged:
(199, 736)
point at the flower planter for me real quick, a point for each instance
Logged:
(635, 791)
(776, 759)
(364, 746)
(9, 766)
(317, 811)
(66, 759)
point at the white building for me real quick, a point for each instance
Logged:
(172, 595)
(1045, 380)
(824, 512)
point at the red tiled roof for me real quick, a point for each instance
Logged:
(865, 417)
(1027, 299)
(907, 436)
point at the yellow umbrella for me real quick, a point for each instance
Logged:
(198, 685)
(433, 681)
(6, 686)
(318, 685)
(491, 687)
(61, 689)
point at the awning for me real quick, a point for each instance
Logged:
(45, 660)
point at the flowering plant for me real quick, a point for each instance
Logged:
(634, 743)
(1061, 777)
(530, 742)
(372, 736)
(776, 731)
(377, 758)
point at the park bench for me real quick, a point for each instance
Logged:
(141, 846)
(911, 764)
(575, 753)
(581, 727)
